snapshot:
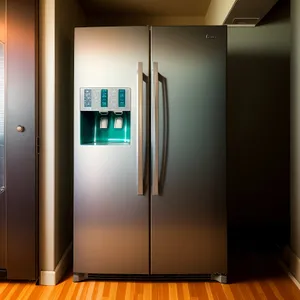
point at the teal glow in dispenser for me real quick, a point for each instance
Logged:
(105, 116)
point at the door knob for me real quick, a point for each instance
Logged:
(20, 128)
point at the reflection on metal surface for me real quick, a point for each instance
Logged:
(2, 120)
(188, 218)
(113, 213)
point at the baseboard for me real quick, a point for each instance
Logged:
(53, 277)
(290, 263)
(294, 265)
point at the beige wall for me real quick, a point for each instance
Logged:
(57, 21)
(218, 11)
(67, 15)
(47, 133)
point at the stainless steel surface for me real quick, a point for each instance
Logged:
(20, 128)
(140, 159)
(155, 130)
(21, 160)
(188, 219)
(2, 117)
(111, 222)
(3, 227)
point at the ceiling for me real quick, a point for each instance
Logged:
(174, 12)
(148, 7)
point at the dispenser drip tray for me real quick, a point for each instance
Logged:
(105, 129)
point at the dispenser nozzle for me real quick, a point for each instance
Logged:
(118, 123)
(103, 123)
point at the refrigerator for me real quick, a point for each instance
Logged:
(150, 153)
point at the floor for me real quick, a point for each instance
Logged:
(253, 276)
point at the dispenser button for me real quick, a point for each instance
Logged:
(87, 98)
(122, 102)
(104, 98)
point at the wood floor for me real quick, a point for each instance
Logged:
(272, 288)
(252, 279)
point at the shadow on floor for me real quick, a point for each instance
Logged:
(251, 261)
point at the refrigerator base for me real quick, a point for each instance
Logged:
(221, 278)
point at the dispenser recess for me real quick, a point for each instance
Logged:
(105, 116)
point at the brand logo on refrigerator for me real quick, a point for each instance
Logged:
(210, 37)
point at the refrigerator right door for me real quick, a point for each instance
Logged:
(188, 203)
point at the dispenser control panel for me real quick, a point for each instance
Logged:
(104, 99)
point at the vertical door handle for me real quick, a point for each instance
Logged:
(155, 131)
(164, 156)
(140, 159)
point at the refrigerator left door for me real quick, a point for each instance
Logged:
(111, 205)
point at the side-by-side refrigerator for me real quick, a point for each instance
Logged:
(150, 153)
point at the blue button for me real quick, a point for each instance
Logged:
(122, 101)
(104, 98)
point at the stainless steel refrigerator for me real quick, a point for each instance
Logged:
(150, 153)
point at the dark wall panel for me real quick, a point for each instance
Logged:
(259, 129)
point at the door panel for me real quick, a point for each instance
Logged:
(3, 227)
(111, 221)
(188, 218)
(21, 162)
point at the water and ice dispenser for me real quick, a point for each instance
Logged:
(105, 116)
